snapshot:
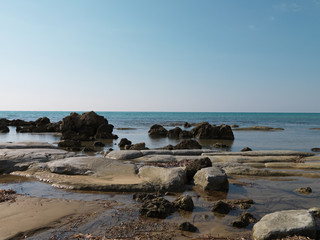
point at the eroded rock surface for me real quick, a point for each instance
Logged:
(212, 179)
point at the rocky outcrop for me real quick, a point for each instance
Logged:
(194, 166)
(137, 146)
(157, 131)
(4, 129)
(40, 125)
(156, 208)
(86, 127)
(211, 179)
(285, 223)
(208, 131)
(174, 133)
(123, 142)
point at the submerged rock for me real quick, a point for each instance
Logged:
(244, 220)
(156, 208)
(221, 207)
(285, 223)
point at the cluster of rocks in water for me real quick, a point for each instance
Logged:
(201, 131)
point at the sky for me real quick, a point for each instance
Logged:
(164, 55)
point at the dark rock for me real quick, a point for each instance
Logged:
(185, 134)
(156, 208)
(194, 166)
(4, 121)
(69, 144)
(187, 125)
(244, 220)
(141, 197)
(174, 133)
(157, 131)
(186, 226)
(315, 149)
(88, 149)
(221, 207)
(86, 127)
(123, 142)
(168, 147)
(220, 145)
(98, 144)
(137, 146)
(19, 123)
(184, 202)
(188, 144)
(234, 126)
(242, 203)
(306, 190)
(246, 149)
(207, 131)
(42, 121)
(4, 129)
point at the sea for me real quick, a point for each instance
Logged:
(301, 130)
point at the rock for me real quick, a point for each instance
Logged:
(207, 131)
(285, 223)
(88, 149)
(156, 208)
(221, 207)
(157, 131)
(137, 146)
(4, 129)
(194, 166)
(220, 145)
(258, 128)
(188, 144)
(142, 197)
(242, 203)
(211, 179)
(69, 144)
(174, 133)
(125, 155)
(187, 125)
(42, 121)
(26, 144)
(304, 190)
(185, 134)
(98, 144)
(186, 226)
(315, 211)
(123, 142)
(246, 149)
(184, 202)
(234, 126)
(86, 127)
(315, 149)
(244, 220)
(168, 147)
(168, 179)
(19, 123)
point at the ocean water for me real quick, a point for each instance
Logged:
(296, 135)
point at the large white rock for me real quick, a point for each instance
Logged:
(285, 223)
(212, 179)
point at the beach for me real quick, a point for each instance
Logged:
(281, 162)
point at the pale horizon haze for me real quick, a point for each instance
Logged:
(168, 55)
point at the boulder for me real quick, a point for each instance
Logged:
(188, 144)
(86, 127)
(246, 149)
(304, 190)
(285, 223)
(184, 202)
(42, 121)
(142, 197)
(123, 142)
(156, 208)
(211, 179)
(186, 226)
(174, 133)
(194, 166)
(185, 134)
(157, 131)
(137, 146)
(168, 179)
(4, 129)
(187, 125)
(315, 149)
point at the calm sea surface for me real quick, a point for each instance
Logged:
(296, 136)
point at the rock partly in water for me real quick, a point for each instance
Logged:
(246, 149)
(137, 146)
(123, 142)
(194, 166)
(174, 133)
(188, 144)
(221, 207)
(244, 220)
(304, 190)
(211, 179)
(86, 127)
(4, 129)
(258, 128)
(184, 202)
(156, 208)
(187, 226)
(315, 149)
(157, 130)
(208, 131)
(98, 144)
(142, 197)
(285, 223)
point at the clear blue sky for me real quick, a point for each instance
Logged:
(165, 55)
